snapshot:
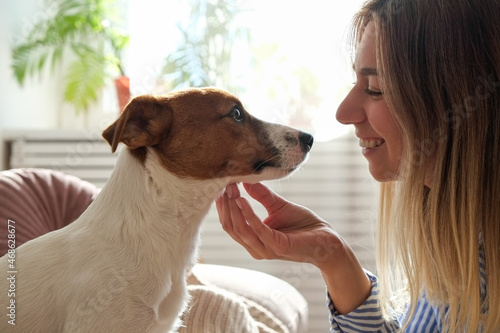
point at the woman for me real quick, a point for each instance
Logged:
(426, 107)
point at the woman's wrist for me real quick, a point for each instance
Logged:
(346, 281)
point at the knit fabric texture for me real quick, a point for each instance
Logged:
(216, 310)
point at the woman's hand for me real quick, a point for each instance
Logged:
(292, 232)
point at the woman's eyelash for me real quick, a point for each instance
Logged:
(370, 92)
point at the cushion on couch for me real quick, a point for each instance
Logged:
(39, 201)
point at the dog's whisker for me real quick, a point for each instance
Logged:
(265, 163)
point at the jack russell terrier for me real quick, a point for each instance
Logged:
(121, 266)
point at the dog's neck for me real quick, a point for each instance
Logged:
(153, 206)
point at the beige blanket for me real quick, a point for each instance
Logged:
(215, 310)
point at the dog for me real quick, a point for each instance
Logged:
(121, 266)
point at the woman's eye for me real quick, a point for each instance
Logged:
(373, 93)
(236, 114)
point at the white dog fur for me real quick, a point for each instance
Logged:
(121, 266)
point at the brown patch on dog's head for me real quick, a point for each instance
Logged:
(212, 136)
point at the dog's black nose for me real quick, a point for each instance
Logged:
(306, 141)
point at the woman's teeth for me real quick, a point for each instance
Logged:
(367, 143)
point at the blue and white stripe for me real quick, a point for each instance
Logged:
(368, 317)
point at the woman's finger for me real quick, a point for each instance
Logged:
(239, 225)
(223, 209)
(222, 205)
(263, 194)
(253, 220)
(242, 229)
(234, 223)
(232, 191)
(271, 242)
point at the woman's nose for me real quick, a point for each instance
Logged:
(351, 109)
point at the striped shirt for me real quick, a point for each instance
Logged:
(368, 317)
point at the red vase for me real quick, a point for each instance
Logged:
(122, 85)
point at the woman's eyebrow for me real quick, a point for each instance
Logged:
(368, 72)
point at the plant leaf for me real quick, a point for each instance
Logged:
(84, 79)
(30, 58)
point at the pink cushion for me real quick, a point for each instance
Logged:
(39, 201)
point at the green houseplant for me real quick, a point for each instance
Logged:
(204, 55)
(83, 29)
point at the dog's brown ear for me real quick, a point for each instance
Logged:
(143, 122)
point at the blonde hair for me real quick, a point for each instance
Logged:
(439, 63)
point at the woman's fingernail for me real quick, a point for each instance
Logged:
(229, 192)
(238, 203)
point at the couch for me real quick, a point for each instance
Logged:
(224, 299)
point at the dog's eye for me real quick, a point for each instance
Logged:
(236, 114)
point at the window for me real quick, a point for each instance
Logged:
(286, 60)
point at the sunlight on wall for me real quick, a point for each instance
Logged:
(301, 79)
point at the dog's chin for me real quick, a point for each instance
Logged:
(269, 170)
(269, 173)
